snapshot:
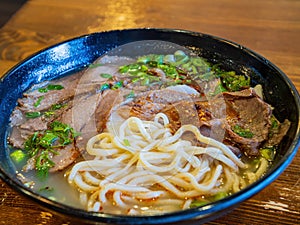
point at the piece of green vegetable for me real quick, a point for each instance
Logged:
(31, 115)
(182, 68)
(38, 102)
(42, 145)
(117, 85)
(43, 90)
(233, 82)
(126, 142)
(57, 106)
(18, 156)
(246, 133)
(219, 195)
(198, 203)
(43, 164)
(106, 75)
(52, 87)
(104, 87)
(268, 153)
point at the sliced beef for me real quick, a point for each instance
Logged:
(248, 111)
(50, 97)
(66, 157)
(147, 104)
(16, 138)
(277, 133)
(216, 117)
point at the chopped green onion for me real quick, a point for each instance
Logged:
(234, 82)
(198, 203)
(42, 145)
(32, 115)
(48, 139)
(49, 113)
(117, 85)
(106, 75)
(274, 122)
(220, 195)
(267, 153)
(57, 106)
(18, 156)
(43, 164)
(246, 133)
(43, 90)
(126, 142)
(51, 87)
(104, 87)
(123, 69)
(38, 102)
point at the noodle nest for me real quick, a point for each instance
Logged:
(142, 168)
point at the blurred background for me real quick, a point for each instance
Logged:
(8, 8)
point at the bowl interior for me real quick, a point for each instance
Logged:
(75, 54)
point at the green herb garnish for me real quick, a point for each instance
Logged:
(104, 87)
(43, 145)
(50, 87)
(117, 85)
(126, 142)
(233, 82)
(198, 203)
(38, 102)
(18, 156)
(219, 195)
(182, 68)
(32, 115)
(246, 133)
(43, 90)
(106, 75)
(57, 106)
(268, 153)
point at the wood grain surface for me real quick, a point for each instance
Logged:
(269, 27)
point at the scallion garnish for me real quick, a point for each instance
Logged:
(106, 75)
(51, 87)
(243, 132)
(126, 142)
(117, 85)
(44, 144)
(38, 102)
(32, 115)
(104, 87)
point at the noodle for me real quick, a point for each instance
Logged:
(143, 163)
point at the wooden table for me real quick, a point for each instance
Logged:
(269, 27)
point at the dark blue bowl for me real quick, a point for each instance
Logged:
(75, 54)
